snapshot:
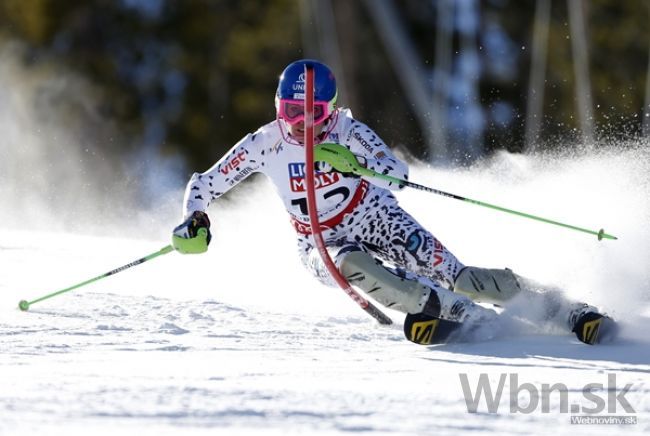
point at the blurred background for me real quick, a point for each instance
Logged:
(141, 93)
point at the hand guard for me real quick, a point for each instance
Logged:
(193, 235)
(341, 159)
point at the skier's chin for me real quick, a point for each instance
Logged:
(298, 133)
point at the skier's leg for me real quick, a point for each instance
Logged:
(403, 292)
(537, 303)
(433, 312)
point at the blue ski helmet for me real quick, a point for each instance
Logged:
(291, 85)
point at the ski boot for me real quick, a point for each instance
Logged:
(592, 327)
(449, 317)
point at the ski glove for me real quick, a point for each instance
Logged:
(193, 235)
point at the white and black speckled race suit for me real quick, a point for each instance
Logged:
(352, 211)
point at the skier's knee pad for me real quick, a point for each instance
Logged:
(404, 295)
(487, 285)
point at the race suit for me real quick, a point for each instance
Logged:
(353, 212)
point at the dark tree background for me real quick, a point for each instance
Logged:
(191, 77)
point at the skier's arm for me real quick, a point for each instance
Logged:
(203, 188)
(378, 157)
(193, 234)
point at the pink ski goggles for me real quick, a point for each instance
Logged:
(293, 111)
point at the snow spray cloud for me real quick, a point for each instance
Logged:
(53, 173)
(605, 188)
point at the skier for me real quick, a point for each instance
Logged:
(378, 246)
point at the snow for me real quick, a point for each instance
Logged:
(153, 365)
(242, 340)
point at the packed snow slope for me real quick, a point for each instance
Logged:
(241, 340)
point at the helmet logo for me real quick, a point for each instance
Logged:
(299, 85)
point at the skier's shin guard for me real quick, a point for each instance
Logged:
(503, 287)
(487, 285)
(392, 291)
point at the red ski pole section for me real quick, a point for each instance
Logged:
(311, 204)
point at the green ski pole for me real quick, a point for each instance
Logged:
(24, 304)
(345, 161)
